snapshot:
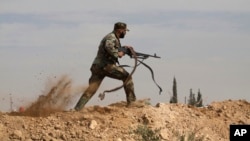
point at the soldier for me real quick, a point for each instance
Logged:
(105, 64)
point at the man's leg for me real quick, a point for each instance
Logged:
(120, 73)
(129, 90)
(94, 83)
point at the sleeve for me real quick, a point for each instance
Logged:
(112, 47)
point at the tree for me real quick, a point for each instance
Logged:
(199, 99)
(191, 100)
(195, 102)
(174, 97)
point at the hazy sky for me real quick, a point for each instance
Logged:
(203, 44)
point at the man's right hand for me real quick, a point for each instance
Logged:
(121, 54)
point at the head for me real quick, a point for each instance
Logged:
(120, 29)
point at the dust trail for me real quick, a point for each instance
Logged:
(58, 96)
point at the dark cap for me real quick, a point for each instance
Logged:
(120, 25)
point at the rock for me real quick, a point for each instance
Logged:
(146, 119)
(92, 124)
(28, 140)
(159, 105)
(17, 134)
(118, 139)
(58, 127)
(164, 134)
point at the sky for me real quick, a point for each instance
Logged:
(205, 45)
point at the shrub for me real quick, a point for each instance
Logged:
(147, 134)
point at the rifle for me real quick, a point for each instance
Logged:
(138, 54)
(141, 56)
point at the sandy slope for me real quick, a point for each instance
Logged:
(118, 123)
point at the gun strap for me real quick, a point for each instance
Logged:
(152, 73)
(151, 70)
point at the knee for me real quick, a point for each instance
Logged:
(127, 78)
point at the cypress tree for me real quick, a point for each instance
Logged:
(175, 91)
(191, 100)
(174, 97)
(199, 99)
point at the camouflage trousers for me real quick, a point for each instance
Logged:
(97, 76)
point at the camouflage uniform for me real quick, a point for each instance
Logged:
(105, 65)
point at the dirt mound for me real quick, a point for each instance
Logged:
(117, 122)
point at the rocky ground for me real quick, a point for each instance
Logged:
(116, 122)
(47, 120)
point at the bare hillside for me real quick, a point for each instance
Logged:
(116, 122)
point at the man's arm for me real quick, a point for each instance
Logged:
(110, 47)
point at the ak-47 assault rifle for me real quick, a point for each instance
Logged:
(138, 54)
(141, 56)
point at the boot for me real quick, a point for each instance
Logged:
(81, 103)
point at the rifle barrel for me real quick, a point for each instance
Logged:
(146, 55)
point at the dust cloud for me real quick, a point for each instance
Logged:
(58, 95)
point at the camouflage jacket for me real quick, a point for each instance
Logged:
(108, 50)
